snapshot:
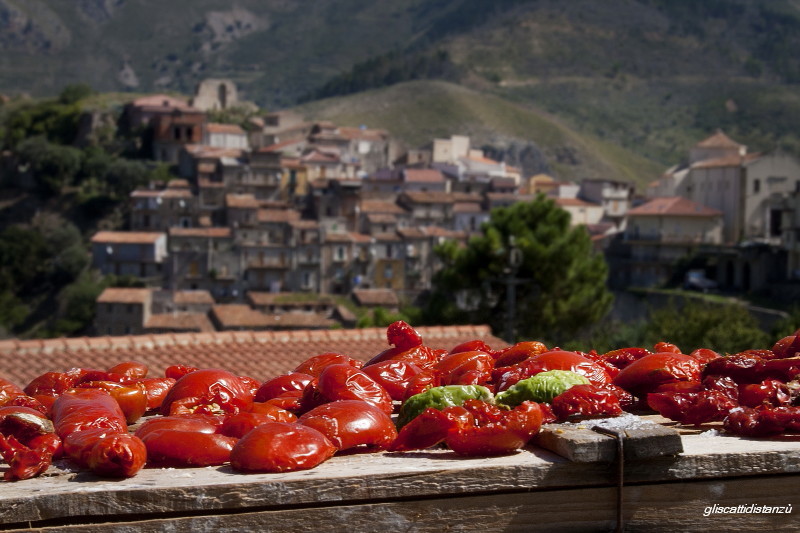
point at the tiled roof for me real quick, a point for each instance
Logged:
(183, 322)
(260, 298)
(467, 207)
(380, 206)
(243, 201)
(574, 202)
(718, 140)
(729, 161)
(193, 297)
(673, 206)
(126, 295)
(178, 184)
(375, 297)
(230, 129)
(262, 355)
(127, 237)
(212, 232)
(278, 215)
(423, 175)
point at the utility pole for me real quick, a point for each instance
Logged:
(514, 261)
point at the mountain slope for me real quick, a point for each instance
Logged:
(416, 112)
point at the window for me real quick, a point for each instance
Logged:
(340, 253)
(389, 251)
(388, 272)
(756, 186)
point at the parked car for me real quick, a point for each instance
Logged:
(696, 280)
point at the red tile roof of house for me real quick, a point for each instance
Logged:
(574, 202)
(729, 161)
(230, 129)
(718, 140)
(673, 206)
(179, 322)
(278, 215)
(423, 175)
(262, 355)
(376, 297)
(242, 201)
(429, 197)
(126, 295)
(380, 206)
(215, 232)
(193, 297)
(127, 237)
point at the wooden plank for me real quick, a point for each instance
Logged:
(578, 442)
(346, 479)
(651, 507)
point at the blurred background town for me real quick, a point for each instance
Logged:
(553, 170)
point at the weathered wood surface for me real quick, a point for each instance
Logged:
(649, 507)
(404, 483)
(579, 442)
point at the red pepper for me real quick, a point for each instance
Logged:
(771, 392)
(156, 390)
(394, 376)
(465, 368)
(90, 412)
(351, 423)
(314, 366)
(293, 381)
(692, 408)
(132, 398)
(496, 432)
(343, 382)
(281, 447)
(647, 373)
(586, 400)
(401, 335)
(240, 424)
(210, 390)
(763, 421)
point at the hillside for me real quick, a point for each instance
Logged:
(651, 76)
(416, 112)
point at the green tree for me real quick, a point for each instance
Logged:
(562, 287)
(53, 165)
(725, 328)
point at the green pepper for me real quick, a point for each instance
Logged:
(439, 398)
(542, 387)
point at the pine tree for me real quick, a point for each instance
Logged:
(561, 286)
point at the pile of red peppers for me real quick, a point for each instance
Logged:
(332, 403)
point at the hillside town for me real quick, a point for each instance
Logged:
(286, 206)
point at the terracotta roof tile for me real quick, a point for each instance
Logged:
(374, 297)
(193, 297)
(260, 354)
(230, 129)
(244, 201)
(380, 206)
(718, 140)
(127, 237)
(124, 295)
(673, 206)
(423, 175)
(211, 232)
